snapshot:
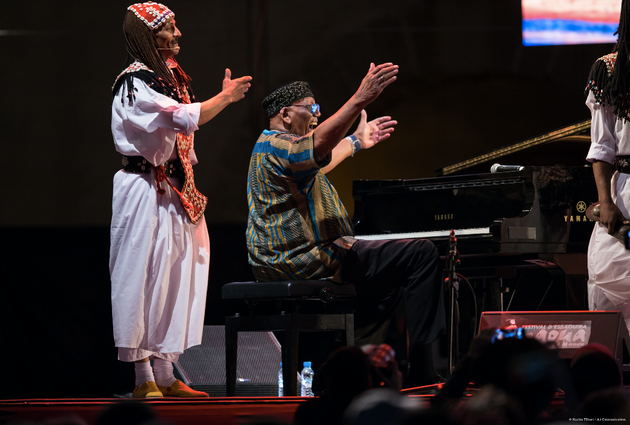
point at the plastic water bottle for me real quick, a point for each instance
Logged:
(307, 380)
(280, 382)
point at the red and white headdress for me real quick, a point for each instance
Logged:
(152, 14)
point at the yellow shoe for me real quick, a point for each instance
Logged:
(147, 390)
(179, 389)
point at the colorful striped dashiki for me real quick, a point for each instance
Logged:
(297, 226)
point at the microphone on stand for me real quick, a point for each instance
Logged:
(453, 288)
(453, 261)
(498, 168)
(452, 244)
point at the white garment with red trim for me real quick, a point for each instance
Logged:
(159, 260)
(608, 260)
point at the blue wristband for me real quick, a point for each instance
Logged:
(354, 142)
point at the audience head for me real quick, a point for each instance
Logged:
(384, 367)
(345, 374)
(521, 367)
(491, 406)
(605, 404)
(379, 406)
(128, 412)
(593, 368)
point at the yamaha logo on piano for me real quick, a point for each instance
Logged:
(581, 206)
(578, 218)
(440, 217)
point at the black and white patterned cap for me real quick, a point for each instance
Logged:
(285, 96)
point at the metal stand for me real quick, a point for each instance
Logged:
(452, 283)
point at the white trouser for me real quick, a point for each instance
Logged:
(598, 300)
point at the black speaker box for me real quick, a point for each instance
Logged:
(567, 331)
(259, 355)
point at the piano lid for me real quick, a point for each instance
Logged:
(567, 146)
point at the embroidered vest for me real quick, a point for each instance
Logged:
(192, 200)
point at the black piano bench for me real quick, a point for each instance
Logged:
(290, 322)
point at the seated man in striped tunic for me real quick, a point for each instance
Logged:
(299, 229)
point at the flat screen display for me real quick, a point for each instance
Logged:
(554, 22)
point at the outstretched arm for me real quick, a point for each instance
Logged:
(368, 134)
(233, 91)
(329, 133)
(609, 213)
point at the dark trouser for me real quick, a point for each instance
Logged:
(383, 271)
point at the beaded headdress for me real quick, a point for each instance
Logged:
(285, 96)
(152, 14)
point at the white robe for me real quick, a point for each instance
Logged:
(159, 260)
(608, 260)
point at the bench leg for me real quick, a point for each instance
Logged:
(290, 356)
(231, 353)
(349, 330)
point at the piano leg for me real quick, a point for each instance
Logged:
(577, 297)
(571, 271)
(575, 269)
(502, 291)
(494, 289)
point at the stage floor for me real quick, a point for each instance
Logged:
(215, 411)
(190, 411)
(219, 411)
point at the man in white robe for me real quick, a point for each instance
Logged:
(608, 98)
(160, 249)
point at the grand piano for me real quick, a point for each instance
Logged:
(504, 221)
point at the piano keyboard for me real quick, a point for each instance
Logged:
(477, 231)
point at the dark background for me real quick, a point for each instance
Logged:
(466, 85)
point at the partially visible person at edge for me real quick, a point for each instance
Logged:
(299, 229)
(160, 250)
(608, 98)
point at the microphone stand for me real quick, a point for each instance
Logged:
(452, 283)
